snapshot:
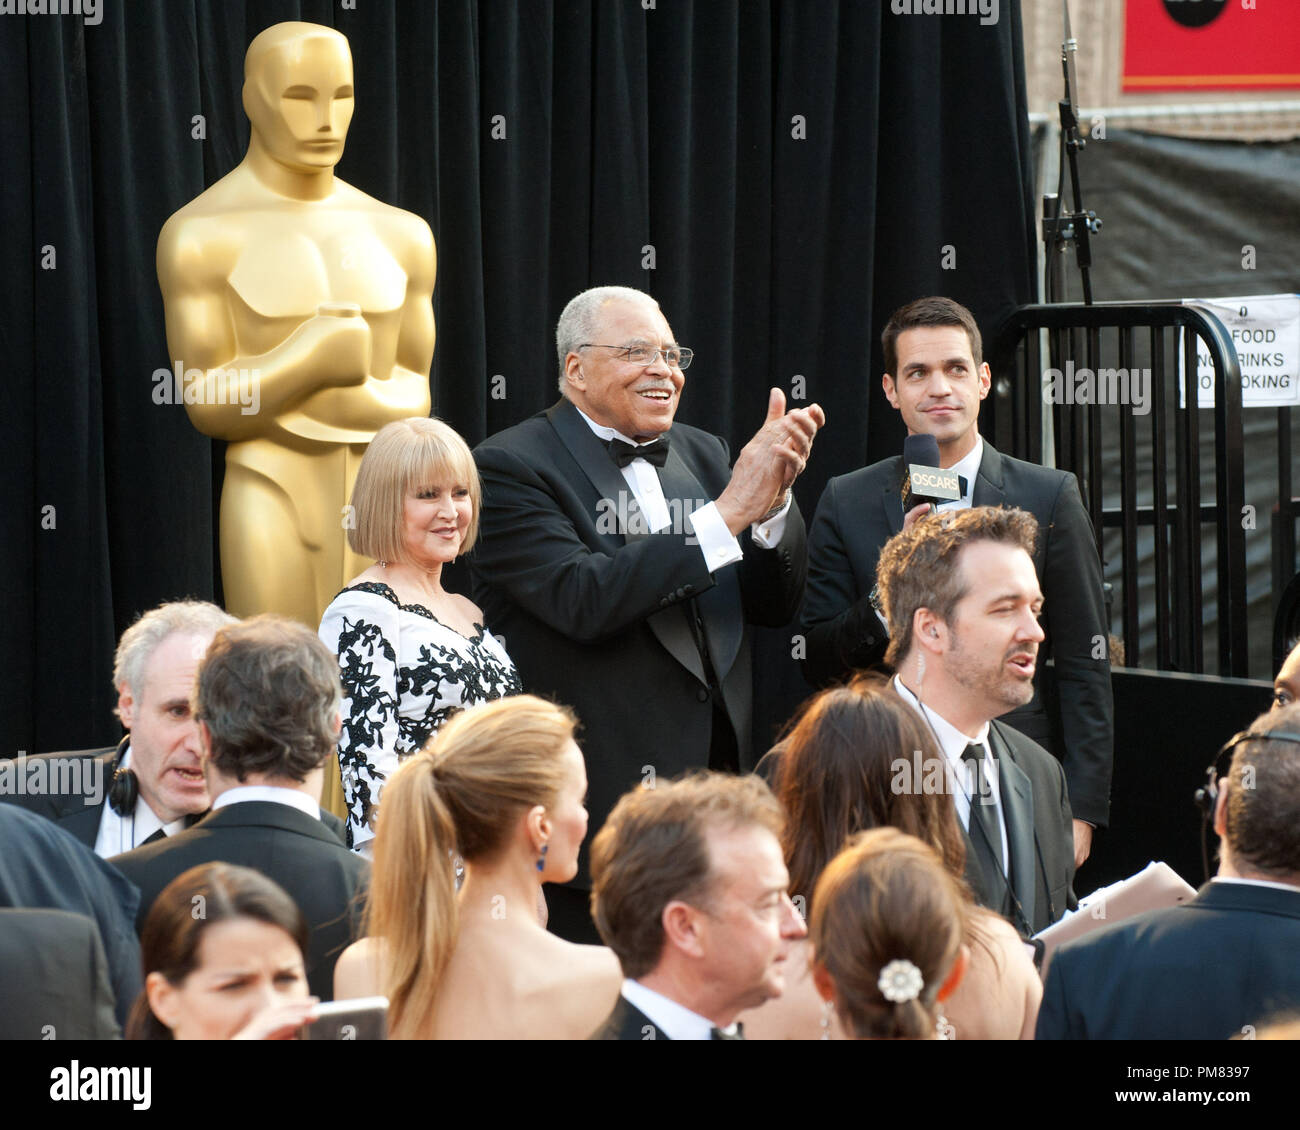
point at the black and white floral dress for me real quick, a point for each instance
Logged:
(404, 673)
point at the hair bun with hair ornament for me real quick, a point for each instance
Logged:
(900, 981)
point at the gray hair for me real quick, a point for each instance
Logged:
(141, 639)
(577, 323)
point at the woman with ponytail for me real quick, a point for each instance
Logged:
(888, 923)
(502, 786)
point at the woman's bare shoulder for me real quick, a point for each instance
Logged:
(358, 972)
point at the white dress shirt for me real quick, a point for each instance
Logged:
(676, 1021)
(122, 833)
(960, 773)
(716, 542)
(968, 467)
(294, 798)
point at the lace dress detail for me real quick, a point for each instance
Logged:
(404, 673)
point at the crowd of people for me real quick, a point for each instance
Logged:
(557, 827)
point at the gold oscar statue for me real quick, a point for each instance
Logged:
(299, 322)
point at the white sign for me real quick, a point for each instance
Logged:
(1265, 328)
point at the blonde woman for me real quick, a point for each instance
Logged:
(410, 653)
(502, 785)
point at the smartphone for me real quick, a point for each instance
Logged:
(362, 1018)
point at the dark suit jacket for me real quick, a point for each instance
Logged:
(1040, 838)
(1039, 834)
(1200, 971)
(627, 1022)
(597, 618)
(75, 812)
(861, 511)
(44, 867)
(310, 862)
(55, 983)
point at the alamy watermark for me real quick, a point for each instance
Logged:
(54, 776)
(624, 516)
(179, 385)
(987, 10)
(89, 10)
(1130, 387)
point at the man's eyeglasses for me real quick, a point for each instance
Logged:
(674, 356)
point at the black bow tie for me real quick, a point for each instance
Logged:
(655, 453)
(738, 1033)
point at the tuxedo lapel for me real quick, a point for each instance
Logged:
(891, 496)
(989, 489)
(592, 456)
(1018, 811)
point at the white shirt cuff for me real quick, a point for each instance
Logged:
(768, 534)
(717, 543)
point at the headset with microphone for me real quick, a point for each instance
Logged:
(1206, 798)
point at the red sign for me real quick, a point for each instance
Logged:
(1247, 45)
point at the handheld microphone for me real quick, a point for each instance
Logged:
(924, 480)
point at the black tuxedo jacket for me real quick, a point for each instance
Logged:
(1204, 970)
(627, 1022)
(44, 867)
(594, 613)
(860, 511)
(70, 810)
(309, 861)
(55, 983)
(1040, 836)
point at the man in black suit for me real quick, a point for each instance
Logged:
(55, 985)
(1223, 963)
(622, 571)
(42, 867)
(150, 785)
(962, 602)
(690, 892)
(267, 704)
(936, 378)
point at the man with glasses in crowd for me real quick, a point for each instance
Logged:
(622, 561)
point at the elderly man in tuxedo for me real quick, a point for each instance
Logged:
(690, 892)
(622, 556)
(267, 703)
(1221, 964)
(936, 377)
(963, 603)
(150, 785)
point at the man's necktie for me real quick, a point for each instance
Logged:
(983, 811)
(735, 1032)
(158, 835)
(655, 453)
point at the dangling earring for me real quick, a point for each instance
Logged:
(827, 1008)
(920, 667)
(942, 1029)
(541, 862)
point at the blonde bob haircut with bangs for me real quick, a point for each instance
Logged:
(406, 455)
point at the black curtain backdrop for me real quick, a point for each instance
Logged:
(797, 170)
